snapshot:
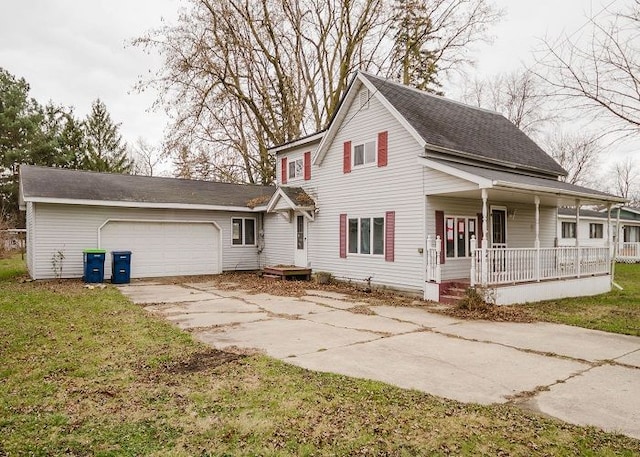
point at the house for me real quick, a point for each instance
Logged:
(592, 228)
(403, 189)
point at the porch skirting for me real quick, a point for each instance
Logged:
(550, 290)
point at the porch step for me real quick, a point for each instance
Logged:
(451, 292)
(286, 272)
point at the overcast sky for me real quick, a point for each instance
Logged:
(74, 51)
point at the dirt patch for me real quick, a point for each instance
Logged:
(361, 309)
(488, 313)
(201, 361)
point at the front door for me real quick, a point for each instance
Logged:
(498, 227)
(300, 241)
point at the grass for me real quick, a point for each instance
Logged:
(86, 372)
(617, 311)
(11, 267)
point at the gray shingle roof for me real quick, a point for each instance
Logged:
(590, 213)
(467, 129)
(298, 196)
(516, 178)
(42, 182)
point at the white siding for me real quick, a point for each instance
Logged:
(278, 240)
(437, 182)
(30, 240)
(72, 228)
(583, 231)
(368, 192)
(520, 227)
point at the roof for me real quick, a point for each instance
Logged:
(587, 213)
(298, 196)
(307, 139)
(51, 184)
(464, 130)
(526, 182)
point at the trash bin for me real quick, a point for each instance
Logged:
(93, 263)
(121, 267)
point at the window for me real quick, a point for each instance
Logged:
(568, 230)
(458, 232)
(366, 236)
(243, 231)
(595, 230)
(364, 153)
(296, 168)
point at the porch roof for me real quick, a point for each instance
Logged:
(554, 191)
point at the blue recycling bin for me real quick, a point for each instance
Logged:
(121, 267)
(93, 265)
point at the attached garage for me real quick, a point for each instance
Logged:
(165, 248)
(173, 227)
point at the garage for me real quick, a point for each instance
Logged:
(165, 248)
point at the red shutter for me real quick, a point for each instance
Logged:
(480, 230)
(440, 233)
(382, 149)
(283, 170)
(307, 166)
(390, 236)
(346, 162)
(343, 236)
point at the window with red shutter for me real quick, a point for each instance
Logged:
(307, 166)
(283, 170)
(382, 149)
(346, 162)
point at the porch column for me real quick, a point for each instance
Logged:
(577, 237)
(610, 247)
(485, 238)
(536, 200)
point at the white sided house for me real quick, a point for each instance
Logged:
(592, 228)
(403, 189)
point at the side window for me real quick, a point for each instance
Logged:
(243, 231)
(364, 153)
(296, 169)
(568, 230)
(366, 235)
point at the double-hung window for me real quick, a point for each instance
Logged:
(366, 235)
(296, 168)
(458, 231)
(596, 231)
(243, 231)
(568, 230)
(364, 153)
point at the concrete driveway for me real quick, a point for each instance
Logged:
(581, 376)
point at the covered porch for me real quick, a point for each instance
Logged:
(497, 231)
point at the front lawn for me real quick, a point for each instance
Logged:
(617, 311)
(85, 372)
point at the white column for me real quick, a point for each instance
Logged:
(578, 237)
(536, 200)
(485, 238)
(474, 246)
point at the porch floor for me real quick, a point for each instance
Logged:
(286, 272)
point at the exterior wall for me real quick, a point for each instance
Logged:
(278, 240)
(72, 228)
(369, 191)
(520, 228)
(583, 231)
(293, 154)
(30, 240)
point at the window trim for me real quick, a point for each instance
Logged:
(568, 224)
(467, 237)
(364, 143)
(371, 236)
(243, 231)
(292, 161)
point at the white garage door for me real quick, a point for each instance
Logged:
(164, 248)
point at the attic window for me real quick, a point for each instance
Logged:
(364, 97)
(296, 168)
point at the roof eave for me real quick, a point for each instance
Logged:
(550, 190)
(315, 137)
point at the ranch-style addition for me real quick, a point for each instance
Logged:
(403, 189)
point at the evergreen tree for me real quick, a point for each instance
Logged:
(105, 149)
(417, 65)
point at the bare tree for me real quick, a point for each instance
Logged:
(517, 95)
(241, 75)
(146, 158)
(626, 180)
(577, 153)
(602, 77)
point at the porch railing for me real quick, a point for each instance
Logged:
(629, 252)
(494, 266)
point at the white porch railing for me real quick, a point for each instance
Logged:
(434, 248)
(495, 266)
(628, 252)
